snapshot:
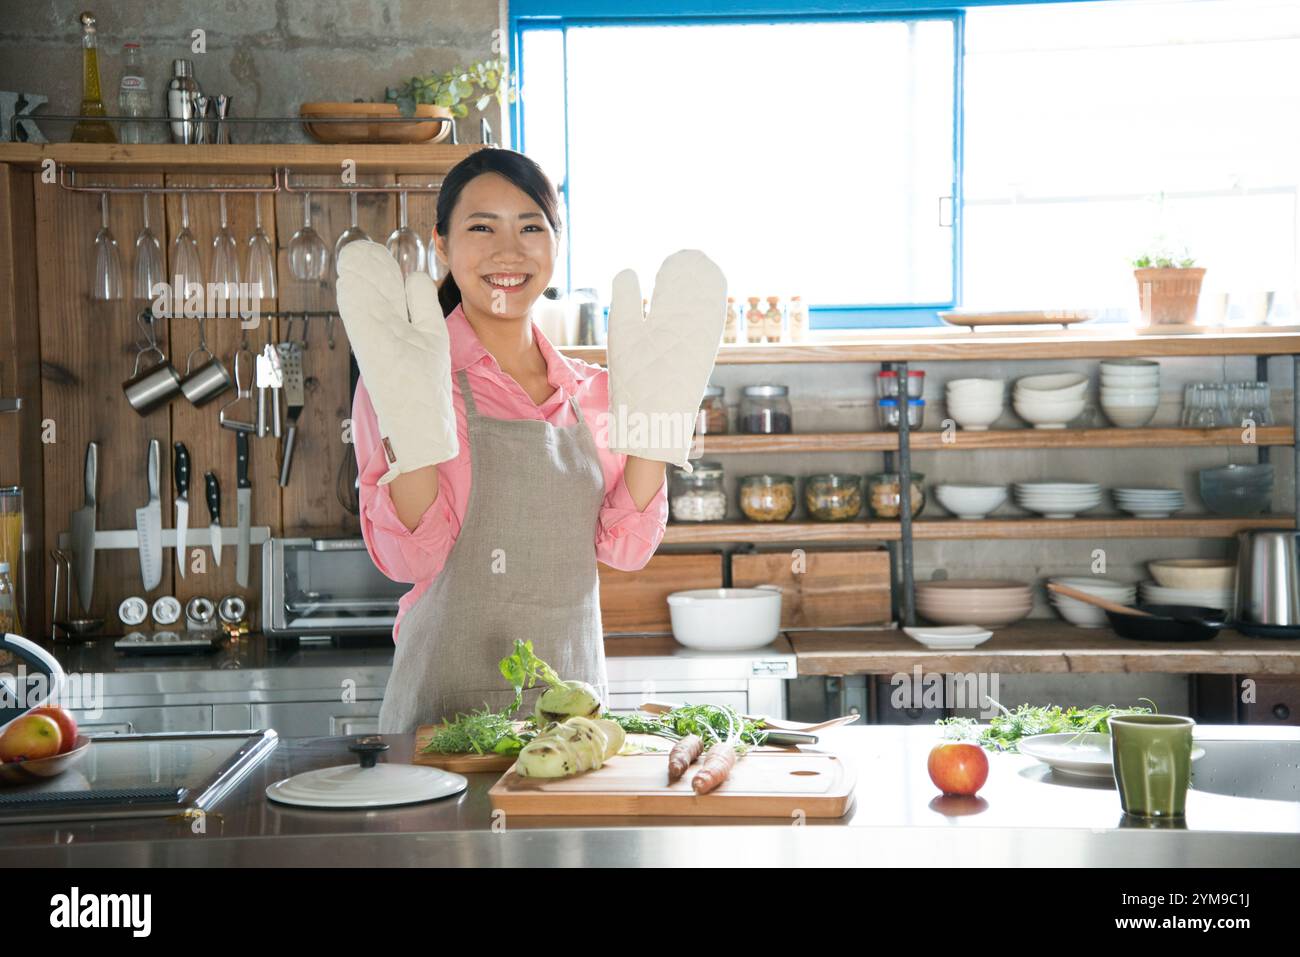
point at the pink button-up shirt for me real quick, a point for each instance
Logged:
(626, 537)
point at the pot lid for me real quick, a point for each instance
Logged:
(367, 783)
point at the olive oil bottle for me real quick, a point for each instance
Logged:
(92, 101)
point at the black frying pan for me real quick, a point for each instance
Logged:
(1168, 623)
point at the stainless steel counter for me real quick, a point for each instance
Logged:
(1024, 815)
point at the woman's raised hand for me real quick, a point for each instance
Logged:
(399, 336)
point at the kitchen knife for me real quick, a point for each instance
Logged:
(83, 530)
(148, 526)
(243, 507)
(182, 475)
(213, 492)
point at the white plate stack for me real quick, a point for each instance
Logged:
(1081, 613)
(1148, 502)
(1130, 391)
(1155, 594)
(1057, 499)
(1052, 400)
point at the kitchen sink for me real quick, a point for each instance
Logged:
(1251, 769)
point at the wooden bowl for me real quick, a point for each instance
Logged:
(363, 131)
(27, 772)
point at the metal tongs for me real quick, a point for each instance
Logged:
(270, 375)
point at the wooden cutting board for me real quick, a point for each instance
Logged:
(778, 782)
(459, 763)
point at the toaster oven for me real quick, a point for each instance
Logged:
(325, 588)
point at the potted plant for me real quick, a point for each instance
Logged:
(1169, 288)
(451, 90)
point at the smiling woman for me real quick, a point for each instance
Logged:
(484, 481)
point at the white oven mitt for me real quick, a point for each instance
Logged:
(399, 336)
(660, 364)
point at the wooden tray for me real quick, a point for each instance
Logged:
(777, 782)
(973, 320)
(459, 763)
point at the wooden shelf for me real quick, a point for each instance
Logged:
(1042, 646)
(939, 343)
(434, 159)
(965, 441)
(954, 529)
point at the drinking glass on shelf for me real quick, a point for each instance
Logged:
(353, 234)
(150, 270)
(185, 254)
(405, 243)
(225, 257)
(261, 257)
(1250, 400)
(1201, 403)
(108, 258)
(309, 257)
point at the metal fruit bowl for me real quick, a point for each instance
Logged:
(39, 769)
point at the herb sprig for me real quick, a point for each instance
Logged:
(1004, 731)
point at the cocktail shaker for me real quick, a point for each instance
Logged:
(181, 91)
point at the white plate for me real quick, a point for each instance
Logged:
(950, 637)
(1085, 755)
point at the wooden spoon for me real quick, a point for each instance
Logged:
(1083, 596)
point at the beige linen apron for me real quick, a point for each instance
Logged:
(523, 566)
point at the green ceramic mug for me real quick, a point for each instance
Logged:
(1151, 755)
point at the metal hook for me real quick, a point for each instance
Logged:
(329, 329)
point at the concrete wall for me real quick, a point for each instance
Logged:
(270, 55)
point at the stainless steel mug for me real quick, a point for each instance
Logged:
(155, 386)
(208, 381)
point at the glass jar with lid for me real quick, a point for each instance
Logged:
(833, 496)
(697, 496)
(712, 419)
(768, 497)
(765, 410)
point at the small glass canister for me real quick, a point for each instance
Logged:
(767, 497)
(712, 419)
(890, 412)
(697, 496)
(887, 384)
(11, 542)
(833, 496)
(765, 410)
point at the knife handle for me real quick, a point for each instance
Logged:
(288, 455)
(182, 469)
(153, 469)
(213, 492)
(92, 471)
(241, 460)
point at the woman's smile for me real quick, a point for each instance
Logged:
(508, 282)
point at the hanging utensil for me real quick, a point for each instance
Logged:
(212, 494)
(182, 476)
(83, 529)
(242, 392)
(243, 507)
(148, 526)
(291, 359)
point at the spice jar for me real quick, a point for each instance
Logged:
(887, 384)
(833, 496)
(890, 412)
(753, 321)
(766, 497)
(697, 496)
(712, 418)
(883, 500)
(731, 327)
(798, 319)
(765, 410)
(773, 320)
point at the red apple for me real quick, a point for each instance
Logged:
(30, 737)
(66, 722)
(957, 768)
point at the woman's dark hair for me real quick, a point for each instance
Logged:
(516, 167)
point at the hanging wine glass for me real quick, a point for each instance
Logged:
(150, 270)
(225, 257)
(261, 258)
(433, 266)
(405, 243)
(186, 269)
(108, 258)
(353, 234)
(309, 257)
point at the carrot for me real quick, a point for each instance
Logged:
(718, 762)
(683, 755)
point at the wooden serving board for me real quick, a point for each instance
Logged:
(778, 782)
(459, 763)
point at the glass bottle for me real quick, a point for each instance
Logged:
(798, 319)
(753, 321)
(731, 330)
(92, 101)
(9, 622)
(773, 319)
(133, 95)
(11, 541)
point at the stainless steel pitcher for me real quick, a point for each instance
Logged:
(1268, 577)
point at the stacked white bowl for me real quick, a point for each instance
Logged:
(1057, 499)
(970, 501)
(975, 404)
(986, 602)
(1050, 401)
(1156, 594)
(1203, 582)
(1148, 502)
(1081, 613)
(1130, 391)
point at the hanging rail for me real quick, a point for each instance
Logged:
(68, 181)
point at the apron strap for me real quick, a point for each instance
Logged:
(471, 410)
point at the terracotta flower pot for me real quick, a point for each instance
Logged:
(1168, 296)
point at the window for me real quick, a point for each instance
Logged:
(810, 158)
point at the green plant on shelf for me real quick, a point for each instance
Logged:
(1164, 259)
(480, 81)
